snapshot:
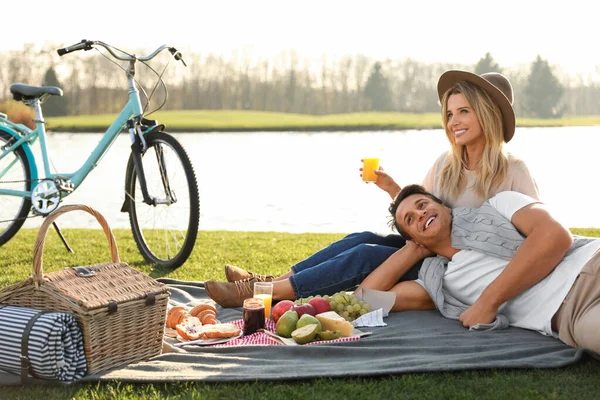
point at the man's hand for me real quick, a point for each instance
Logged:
(422, 252)
(478, 313)
(544, 247)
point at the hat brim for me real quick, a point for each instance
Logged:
(451, 78)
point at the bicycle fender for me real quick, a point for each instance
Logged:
(155, 128)
(28, 153)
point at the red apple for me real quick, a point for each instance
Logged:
(320, 304)
(305, 308)
(280, 308)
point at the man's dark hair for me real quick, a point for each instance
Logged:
(404, 193)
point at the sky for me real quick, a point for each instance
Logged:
(462, 31)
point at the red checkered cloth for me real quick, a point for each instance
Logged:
(264, 339)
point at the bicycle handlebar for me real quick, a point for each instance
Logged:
(89, 44)
(83, 45)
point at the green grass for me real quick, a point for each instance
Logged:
(273, 253)
(223, 120)
(206, 120)
(564, 121)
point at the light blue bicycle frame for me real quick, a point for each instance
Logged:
(26, 137)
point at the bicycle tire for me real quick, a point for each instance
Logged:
(163, 243)
(13, 209)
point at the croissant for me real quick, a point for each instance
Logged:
(175, 315)
(206, 314)
(202, 307)
(207, 317)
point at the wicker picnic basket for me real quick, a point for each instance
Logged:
(120, 310)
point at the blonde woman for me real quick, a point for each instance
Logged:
(478, 119)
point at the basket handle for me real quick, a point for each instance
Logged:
(38, 249)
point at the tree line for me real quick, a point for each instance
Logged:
(93, 84)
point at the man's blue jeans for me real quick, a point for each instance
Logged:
(344, 264)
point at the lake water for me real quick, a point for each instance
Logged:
(309, 182)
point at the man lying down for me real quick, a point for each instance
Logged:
(508, 262)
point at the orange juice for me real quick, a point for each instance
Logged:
(267, 300)
(370, 165)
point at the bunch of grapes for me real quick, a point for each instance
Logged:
(345, 304)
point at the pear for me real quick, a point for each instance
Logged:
(305, 334)
(328, 335)
(308, 319)
(287, 324)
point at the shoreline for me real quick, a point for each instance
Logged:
(305, 129)
(326, 129)
(202, 121)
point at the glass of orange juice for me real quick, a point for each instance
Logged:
(370, 165)
(264, 291)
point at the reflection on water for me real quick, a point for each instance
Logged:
(309, 182)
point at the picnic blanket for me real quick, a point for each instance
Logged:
(414, 341)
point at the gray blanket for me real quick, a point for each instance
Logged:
(416, 341)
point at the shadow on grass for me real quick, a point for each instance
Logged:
(155, 271)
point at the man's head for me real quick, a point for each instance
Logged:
(421, 216)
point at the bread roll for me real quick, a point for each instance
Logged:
(219, 331)
(190, 328)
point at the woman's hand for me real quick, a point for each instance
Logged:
(385, 182)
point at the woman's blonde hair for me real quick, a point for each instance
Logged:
(491, 169)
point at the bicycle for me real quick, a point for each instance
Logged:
(160, 182)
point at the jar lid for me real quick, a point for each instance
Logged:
(254, 303)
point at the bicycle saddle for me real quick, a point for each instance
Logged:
(20, 91)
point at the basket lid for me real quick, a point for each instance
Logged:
(107, 284)
(111, 283)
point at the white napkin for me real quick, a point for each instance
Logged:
(373, 318)
(376, 299)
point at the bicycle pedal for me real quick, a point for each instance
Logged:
(64, 185)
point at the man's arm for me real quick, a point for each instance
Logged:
(545, 245)
(391, 270)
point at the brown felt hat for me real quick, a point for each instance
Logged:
(495, 84)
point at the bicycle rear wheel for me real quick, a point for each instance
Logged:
(14, 174)
(165, 233)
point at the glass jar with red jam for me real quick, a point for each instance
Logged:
(254, 315)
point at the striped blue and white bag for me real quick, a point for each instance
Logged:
(41, 344)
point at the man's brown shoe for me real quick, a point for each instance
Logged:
(230, 294)
(234, 274)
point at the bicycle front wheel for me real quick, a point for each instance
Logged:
(165, 233)
(14, 174)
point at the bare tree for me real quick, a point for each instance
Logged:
(284, 83)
